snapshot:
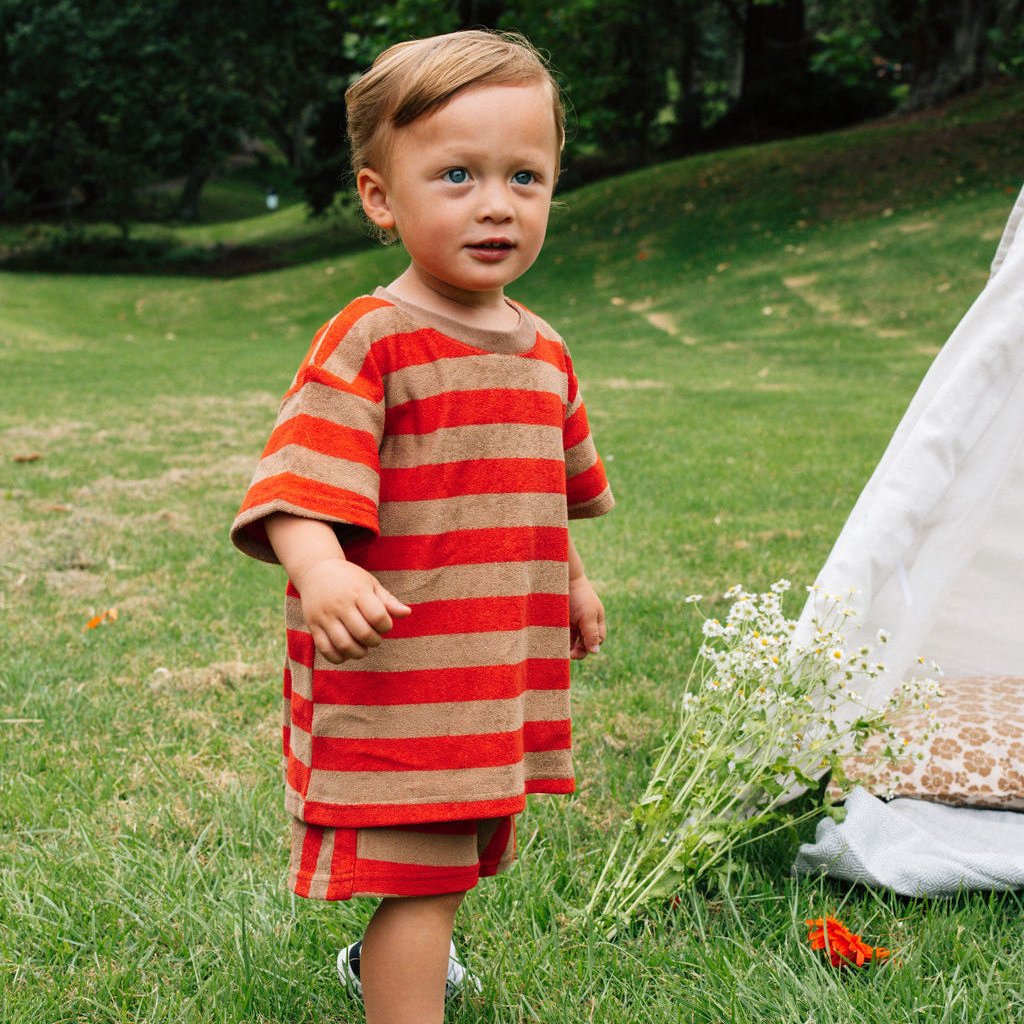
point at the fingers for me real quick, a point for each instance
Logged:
(393, 605)
(588, 634)
(353, 630)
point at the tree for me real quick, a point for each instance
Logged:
(101, 99)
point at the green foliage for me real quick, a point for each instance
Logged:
(101, 99)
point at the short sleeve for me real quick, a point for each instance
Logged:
(322, 461)
(586, 485)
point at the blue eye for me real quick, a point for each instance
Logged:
(457, 176)
(524, 177)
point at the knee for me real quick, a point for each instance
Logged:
(449, 902)
(444, 905)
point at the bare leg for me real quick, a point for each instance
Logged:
(404, 959)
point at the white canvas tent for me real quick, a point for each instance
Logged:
(934, 547)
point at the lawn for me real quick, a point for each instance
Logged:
(748, 327)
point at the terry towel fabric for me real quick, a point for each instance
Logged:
(917, 848)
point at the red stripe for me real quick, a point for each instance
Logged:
(574, 384)
(474, 476)
(312, 840)
(302, 712)
(317, 498)
(417, 754)
(301, 648)
(482, 615)
(586, 485)
(469, 408)
(576, 428)
(390, 879)
(343, 865)
(331, 334)
(430, 686)
(540, 736)
(462, 547)
(399, 351)
(547, 350)
(320, 435)
(297, 775)
(376, 815)
(492, 854)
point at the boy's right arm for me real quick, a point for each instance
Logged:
(345, 607)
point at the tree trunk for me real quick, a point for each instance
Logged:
(775, 51)
(188, 203)
(948, 49)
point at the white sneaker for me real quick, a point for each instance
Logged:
(348, 968)
(458, 979)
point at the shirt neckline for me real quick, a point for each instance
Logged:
(517, 341)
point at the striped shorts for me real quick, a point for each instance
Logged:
(405, 860)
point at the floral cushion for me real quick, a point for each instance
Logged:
(976, 758)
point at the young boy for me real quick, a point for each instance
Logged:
(416, 488)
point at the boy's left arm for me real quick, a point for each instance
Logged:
(587, 628)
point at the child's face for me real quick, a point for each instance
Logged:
(468, 189)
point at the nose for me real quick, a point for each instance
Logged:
(495, 203)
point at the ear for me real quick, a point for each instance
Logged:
(373, 192)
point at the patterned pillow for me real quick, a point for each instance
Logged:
(976, 759)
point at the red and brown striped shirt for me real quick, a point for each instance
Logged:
(450, 459)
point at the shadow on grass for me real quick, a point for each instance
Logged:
(90, 252)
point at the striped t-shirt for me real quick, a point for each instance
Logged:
(450, 459)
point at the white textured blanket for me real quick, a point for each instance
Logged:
(918, 848)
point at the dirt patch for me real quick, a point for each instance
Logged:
(221, 675)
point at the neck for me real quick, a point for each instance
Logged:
(489, 310)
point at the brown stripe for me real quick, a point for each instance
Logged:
(318, 888)
(301, 745)
(458, 785)
(453, 650)
(463, 650)
(319, 468)
(302, 680)
(408, 317)
(464, 718)
(580, 457)
(350, 353)
(548, 764)
(474, 373)
(488, 579)
(398, 846)
(598, 506)
(470, 512)
(472, 441)
(337, 406)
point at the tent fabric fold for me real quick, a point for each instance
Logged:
(933, 548)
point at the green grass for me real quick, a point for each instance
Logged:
(748, 327)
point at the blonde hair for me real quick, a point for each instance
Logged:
(413, 79)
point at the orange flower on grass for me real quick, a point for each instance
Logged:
(841, 946)
(110, 615)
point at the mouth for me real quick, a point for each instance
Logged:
(491, 250)
(492, 245)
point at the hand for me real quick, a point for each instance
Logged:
(587, 630)
(346, 609)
